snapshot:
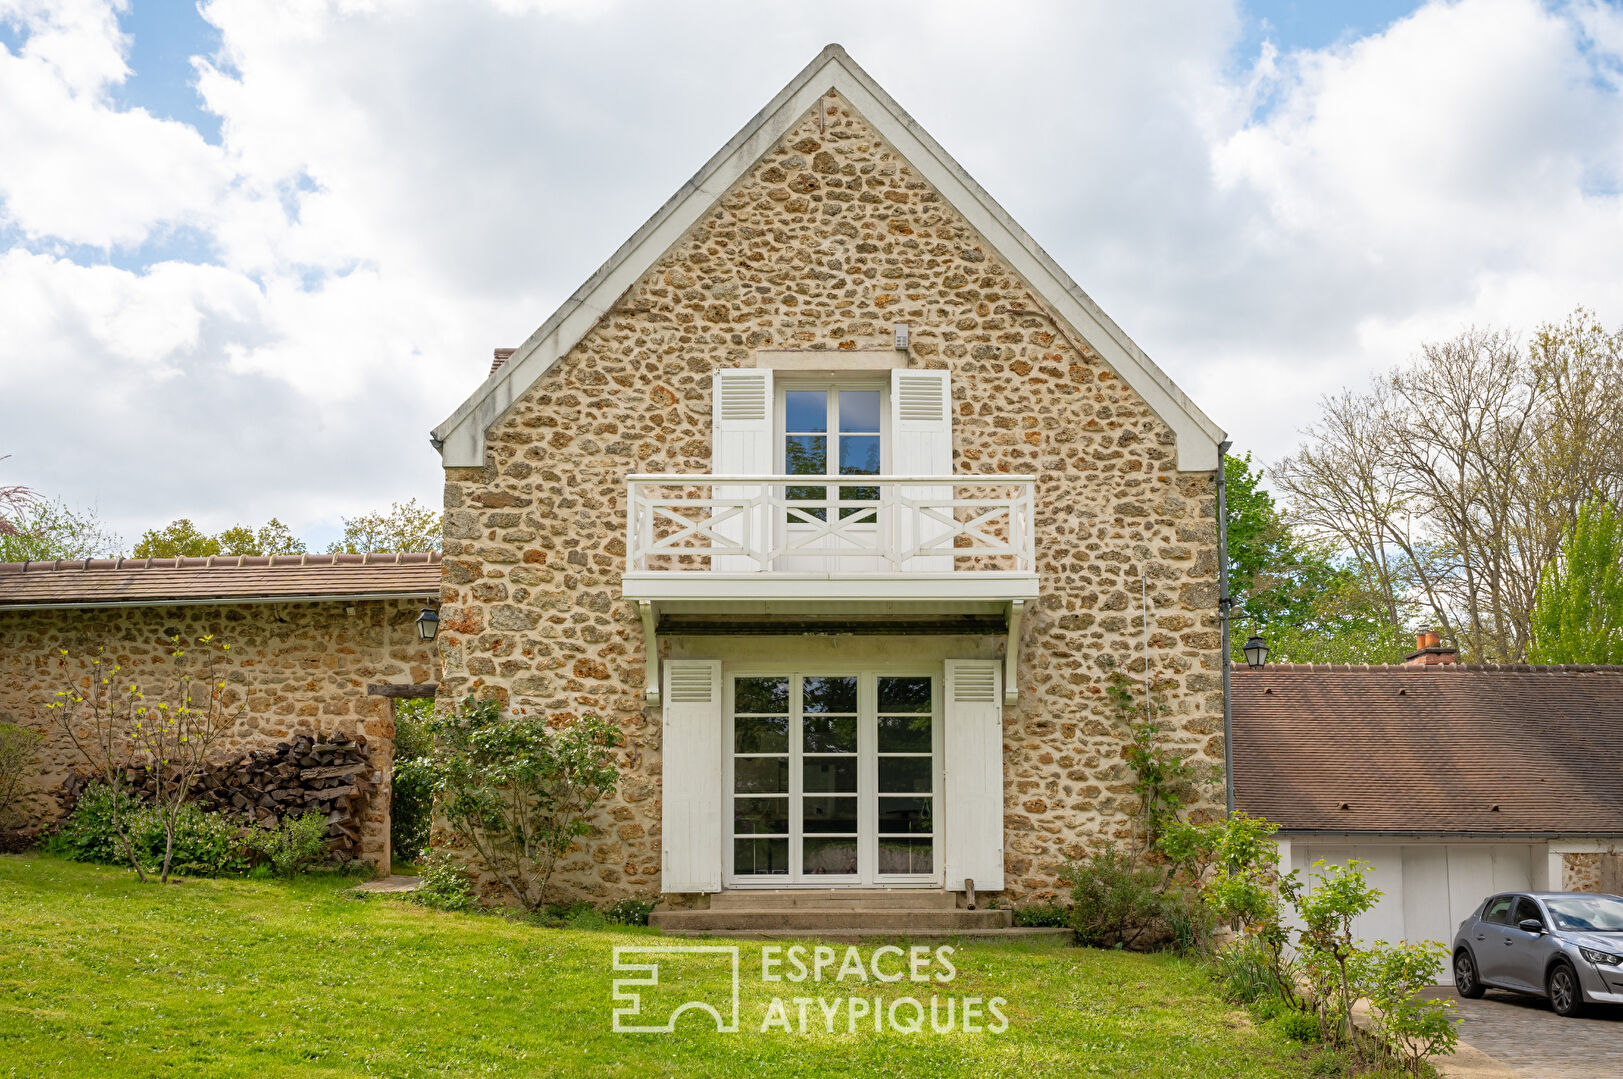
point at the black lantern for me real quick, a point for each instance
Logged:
(428, 624)
(1256, 651)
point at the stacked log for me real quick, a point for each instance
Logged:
(326, 774)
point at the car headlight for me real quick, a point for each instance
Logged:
(1604, 959)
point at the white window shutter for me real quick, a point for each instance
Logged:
(690, 757)
(973, 751)
(921, 445)
(741, 445)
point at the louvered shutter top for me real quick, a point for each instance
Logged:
(743, 397)
(921, 396)
(693, 683)
(973, 684)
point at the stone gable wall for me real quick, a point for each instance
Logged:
(830, 240)
(297, 667)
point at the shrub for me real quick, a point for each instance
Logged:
(204, 844)
(19, 750)
(1295, 1025)
(411, 797)
(1244, 970)
(1412, 1026)
(632, 910)
(1116, 902)
(296, 845)
(1043, 914)
(517, 791)
(445, 885)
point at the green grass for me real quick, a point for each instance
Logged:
(103, 976)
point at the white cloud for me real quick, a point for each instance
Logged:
(399, 187)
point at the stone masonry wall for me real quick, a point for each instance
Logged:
(298, 667)
(829, 240)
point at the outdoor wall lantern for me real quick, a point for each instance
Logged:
(428, 624)
(1256, 651)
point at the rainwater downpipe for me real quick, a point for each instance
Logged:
(1223, 605)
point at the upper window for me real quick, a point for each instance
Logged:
(831, 430)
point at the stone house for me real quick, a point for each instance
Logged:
(845, 503)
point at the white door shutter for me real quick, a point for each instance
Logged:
(741, 445)
(921, 445)
(973, 751)
(690, 755)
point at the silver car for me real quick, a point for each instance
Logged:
(1567, 946)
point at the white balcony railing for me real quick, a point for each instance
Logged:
(856, 525)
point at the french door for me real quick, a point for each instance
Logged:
(833, 778)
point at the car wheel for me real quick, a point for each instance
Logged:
(1566, 996)
(1466, 983)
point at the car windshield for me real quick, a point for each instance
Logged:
(1592, 914)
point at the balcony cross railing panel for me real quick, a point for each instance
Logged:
(784, 524)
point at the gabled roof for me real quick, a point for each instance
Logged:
(159, 582)
(461, 438)
(1431, 750)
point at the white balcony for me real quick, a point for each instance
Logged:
(864, 538)
(874, 554)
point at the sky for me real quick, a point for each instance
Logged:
(250, 253)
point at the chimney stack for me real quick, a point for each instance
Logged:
(1429, 650)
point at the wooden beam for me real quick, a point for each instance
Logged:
(390, 689)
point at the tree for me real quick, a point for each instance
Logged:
(183, 539)
(45, 529)
(406, 527)
(1578, 617)
(1311, 606)
(176, 734)
(180, 539)
(1451, 480)
(14, 500)
(272, 539)
(97, 717)
(517, 791)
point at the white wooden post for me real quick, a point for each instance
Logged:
(690, 757)
(973, 752)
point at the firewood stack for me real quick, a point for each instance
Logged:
(327, 774)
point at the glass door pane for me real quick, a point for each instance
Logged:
(906, 771)
(828, 733)
(761, 771)
(805, 450)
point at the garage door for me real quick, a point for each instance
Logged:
(1429, 888)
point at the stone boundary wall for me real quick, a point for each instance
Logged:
(297, 667)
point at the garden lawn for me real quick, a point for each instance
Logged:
(103, 976)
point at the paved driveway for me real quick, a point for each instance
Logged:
(1528, 1036)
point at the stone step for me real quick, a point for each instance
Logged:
(1022, 934)
(815, 922)
(835, 899)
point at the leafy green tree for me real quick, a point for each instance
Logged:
(183, 539)
(407, 526)
(1578, 616)
(274, 538)
(1310, 606)
(517, 791)
(180, 539)
(45, 529)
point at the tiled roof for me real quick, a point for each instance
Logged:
(124, 582)
(1461, 748)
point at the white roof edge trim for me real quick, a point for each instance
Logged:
(462, 436)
